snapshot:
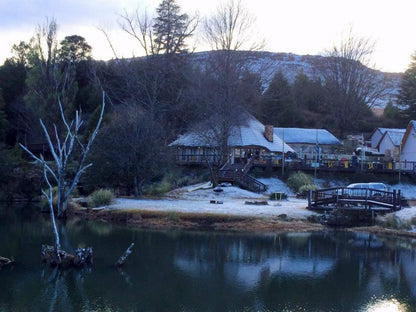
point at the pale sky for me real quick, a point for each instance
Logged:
(296, 26)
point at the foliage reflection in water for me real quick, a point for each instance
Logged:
(204, 271)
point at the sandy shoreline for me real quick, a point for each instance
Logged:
(163, 220)
(229, 210)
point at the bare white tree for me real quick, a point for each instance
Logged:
(139, 26)
(230, 33)
(62, 148)
(49, 196)
(231, 28)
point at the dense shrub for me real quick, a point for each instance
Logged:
(158, 188)
(19, 180)
(180, 178)
(170, 181)
(100, 197)
(45, 204)
(392, 222)
(300, 181)
(173, 217)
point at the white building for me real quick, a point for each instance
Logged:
(409, 144)
(389, 143)
(251, 139)
(306, 141)
(378, 133)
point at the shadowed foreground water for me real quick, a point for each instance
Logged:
(194, 271)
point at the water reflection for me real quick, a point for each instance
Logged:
(391, 305)
(183, 271)
(251, 267)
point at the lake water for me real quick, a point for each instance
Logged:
(204, 271)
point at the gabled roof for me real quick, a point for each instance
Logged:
(248, 134)
(384, 130)
(411, 126)
(306, 136)
(394, 135)
(194, 139)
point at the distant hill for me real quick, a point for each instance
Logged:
(268, 63)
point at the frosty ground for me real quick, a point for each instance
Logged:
(233, 201)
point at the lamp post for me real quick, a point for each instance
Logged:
(362, 152)
(283, 152)
(400, 161)
(316, 154)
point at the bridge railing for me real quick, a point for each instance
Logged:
(357, 198)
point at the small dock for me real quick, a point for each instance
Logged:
(354, 199)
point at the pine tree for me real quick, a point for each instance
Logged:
(277, 105)
(393, 116)
(171, 28)
(407, 92)
(309, 104)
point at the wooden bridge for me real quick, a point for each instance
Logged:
(354, 199)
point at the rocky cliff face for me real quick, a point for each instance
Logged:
(268, 63)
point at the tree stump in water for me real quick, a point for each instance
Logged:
(82, 257)
(5, 261)
(54, 257)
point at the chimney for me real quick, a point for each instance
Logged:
(268, 132)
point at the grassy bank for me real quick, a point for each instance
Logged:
(199, 221)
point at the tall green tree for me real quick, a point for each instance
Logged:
(4, 124)
(171, 28)
(309, 102)
(407, 92)
(277, 106)
(21, 53)
(75, 59)
(56, 73)
(393, 116)
(250, 91)
(167, 33)
(12, 85)
(74, 49)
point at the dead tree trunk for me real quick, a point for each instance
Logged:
(82, 257)
(120, 262)
(61, 149)
(49, 197)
